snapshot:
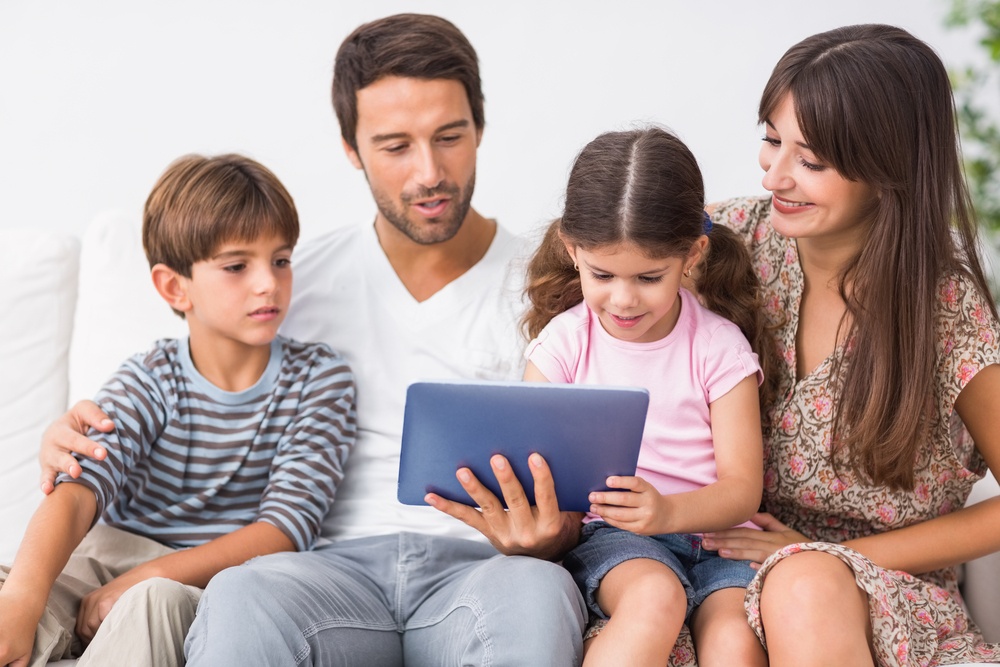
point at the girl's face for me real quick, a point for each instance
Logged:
(634, 297)
(810, 199)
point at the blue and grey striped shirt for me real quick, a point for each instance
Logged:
(189, 462)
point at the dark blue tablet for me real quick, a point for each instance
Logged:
(585, 433)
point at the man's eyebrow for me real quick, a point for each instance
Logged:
(394, 136)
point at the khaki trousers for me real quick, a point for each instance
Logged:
(146, 626)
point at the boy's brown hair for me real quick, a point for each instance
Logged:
(418, 46)
(201, 202)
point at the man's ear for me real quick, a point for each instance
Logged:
(352, 154)
(172, 287)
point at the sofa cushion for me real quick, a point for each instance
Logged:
(118, 311)
(38, 273)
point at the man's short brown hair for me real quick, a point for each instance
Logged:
(200, 202)
(418, 46)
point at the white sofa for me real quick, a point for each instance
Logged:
(71, 310)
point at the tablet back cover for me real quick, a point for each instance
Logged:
(585, 433)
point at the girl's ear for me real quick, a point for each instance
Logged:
(172, 286)
(696, 253)
(570, 248)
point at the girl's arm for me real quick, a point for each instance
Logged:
(729, 501)
(57, 527)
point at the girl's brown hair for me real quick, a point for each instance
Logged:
(644, 188)
(875, 103)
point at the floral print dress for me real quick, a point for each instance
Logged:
(916, 621)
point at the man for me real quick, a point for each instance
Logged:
(427, 292)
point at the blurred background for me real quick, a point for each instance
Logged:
(97, 97)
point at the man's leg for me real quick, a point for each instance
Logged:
(331, 606)
(466, 605)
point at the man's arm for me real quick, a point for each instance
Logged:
(539, 530)
(57, 527)
(65, 436)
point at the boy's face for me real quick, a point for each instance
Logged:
(241, 293)
(417, 145)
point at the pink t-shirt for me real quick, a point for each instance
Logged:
(703, 358)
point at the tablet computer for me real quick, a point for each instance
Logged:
(585, 433)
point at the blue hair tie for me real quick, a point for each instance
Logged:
(708, 223)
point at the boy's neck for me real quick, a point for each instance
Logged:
(228, 365)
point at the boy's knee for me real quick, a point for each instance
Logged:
(158, 594)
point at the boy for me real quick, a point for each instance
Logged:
(228, 445)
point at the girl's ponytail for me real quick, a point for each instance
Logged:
(553, 284)
(728, 285)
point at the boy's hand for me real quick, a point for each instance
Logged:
(96, 605)
(65, 436)
(640, 508)
(539, 530)
(17, 631)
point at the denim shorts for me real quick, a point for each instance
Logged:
(701, 572)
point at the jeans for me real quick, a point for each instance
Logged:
(701, 572)
(390, 600)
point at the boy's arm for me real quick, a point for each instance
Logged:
(57, 527)
(194, 566)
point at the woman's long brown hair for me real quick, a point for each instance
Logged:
(875, 103)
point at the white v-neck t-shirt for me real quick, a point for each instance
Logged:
(347, 295)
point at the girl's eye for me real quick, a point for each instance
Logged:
(600, 276)
(650, 280)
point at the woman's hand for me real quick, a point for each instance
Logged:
(639, 508)
(750, 544)
(539, 530)
(65, 436)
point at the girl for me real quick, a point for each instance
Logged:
(633, 229)
(890, 360)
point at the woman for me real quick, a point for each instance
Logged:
(891, 347)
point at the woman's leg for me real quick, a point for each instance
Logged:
(814, 614)
(722, 636)
(647, 604)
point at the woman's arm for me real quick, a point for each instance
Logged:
(967, 533)
(943, 541)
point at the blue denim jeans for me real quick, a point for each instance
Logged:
(390, 600)
(701, 572)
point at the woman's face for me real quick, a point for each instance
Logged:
(810, 199)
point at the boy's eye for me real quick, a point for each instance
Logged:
(234, 268)
(282, 262)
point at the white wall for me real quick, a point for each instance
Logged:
(97, 97)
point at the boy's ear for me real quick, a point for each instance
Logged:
(172, 286)
(352, 154)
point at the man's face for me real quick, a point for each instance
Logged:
(417, 145)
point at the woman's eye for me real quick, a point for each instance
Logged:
(772, 141)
